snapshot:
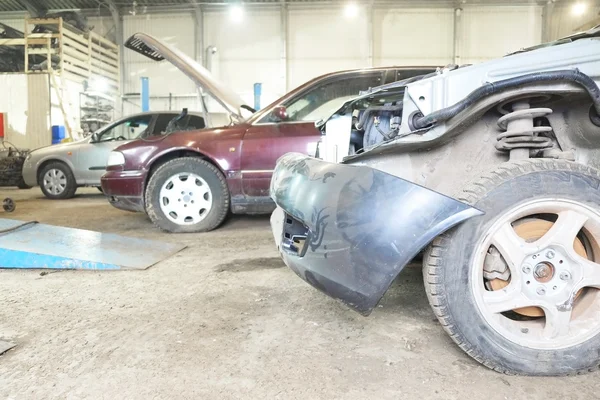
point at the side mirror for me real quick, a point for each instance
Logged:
(279, 113)
(95, 137)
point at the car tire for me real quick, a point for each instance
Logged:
(177, 204)
(518, 341)
(57, 181)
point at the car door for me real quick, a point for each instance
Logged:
(273, 136)
(92, 156)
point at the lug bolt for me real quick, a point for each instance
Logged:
(541, 291)
(526, 269)
(550, 254)
(565, 276)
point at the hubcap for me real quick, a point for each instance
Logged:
(543, 293)
(185, 199)
(55, 181)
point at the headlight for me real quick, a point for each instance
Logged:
(115, 158)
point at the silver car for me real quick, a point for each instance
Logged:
(60, 169)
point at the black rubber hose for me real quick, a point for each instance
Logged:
(570, 75)
(16, 227)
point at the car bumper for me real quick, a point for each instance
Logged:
(349, 230)
(29, 173)
(125, 189)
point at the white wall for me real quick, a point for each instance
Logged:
(491, 32)
(322, 41)
(248, 52)
(564, 23)
(26, 101)
(400, 38)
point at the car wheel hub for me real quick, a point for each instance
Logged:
(185, 198)
(55, 181)
(550, 297)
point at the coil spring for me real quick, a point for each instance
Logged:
(519, 132)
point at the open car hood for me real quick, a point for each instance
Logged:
(157, 50)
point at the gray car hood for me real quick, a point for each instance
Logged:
(157, 50)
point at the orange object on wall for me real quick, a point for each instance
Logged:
(2, 125)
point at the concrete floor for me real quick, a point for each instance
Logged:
(225, 319)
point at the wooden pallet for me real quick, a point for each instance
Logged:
(77, 56)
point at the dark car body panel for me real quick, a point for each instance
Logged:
(349, 230)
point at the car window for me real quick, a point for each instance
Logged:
(325, 97)
(192, 122)
(128, 129)
(160, 127)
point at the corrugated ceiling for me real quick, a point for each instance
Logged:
(18, 5)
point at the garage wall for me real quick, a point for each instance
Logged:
(324, 40)
(399, 37)
(564, 23)
(321, 39)
(248, 51)
(26, 101)
(490, 32)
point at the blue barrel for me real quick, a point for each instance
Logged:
(58, 133)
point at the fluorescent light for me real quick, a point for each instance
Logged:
(350, 10)
(236, 13)
(578, 9)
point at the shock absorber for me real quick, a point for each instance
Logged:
(520, 135)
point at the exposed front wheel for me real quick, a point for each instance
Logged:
(187, 194)
(57, 181)
(518, 288)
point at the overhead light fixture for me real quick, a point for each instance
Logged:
(350, 10)
(578, 9)
(236, 13)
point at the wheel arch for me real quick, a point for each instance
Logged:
(177, 153)
(51, 160)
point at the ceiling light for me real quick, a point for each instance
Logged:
(236, 12)
(350, 10)
(578, 9)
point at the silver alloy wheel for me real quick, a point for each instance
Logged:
(55, 181)
(185, 198)
(545, 273)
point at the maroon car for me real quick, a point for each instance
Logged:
(189, 180)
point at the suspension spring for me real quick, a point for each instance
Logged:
(520, 135)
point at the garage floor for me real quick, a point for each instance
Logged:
(225, 319)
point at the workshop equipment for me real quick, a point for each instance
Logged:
(30, 245)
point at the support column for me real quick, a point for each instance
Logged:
(456, 50)
(547, 11)
(370, 34)
(198, 14)
(284, 45)
(120, 41)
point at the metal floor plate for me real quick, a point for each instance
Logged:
(53, 247)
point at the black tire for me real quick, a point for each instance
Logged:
(207, 171)
(8, 205)
(448, 262)
(71, 184)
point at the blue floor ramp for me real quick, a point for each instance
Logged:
(53, 247)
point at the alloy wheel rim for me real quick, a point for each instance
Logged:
(185, 198)
(55, 181)
(551, 273)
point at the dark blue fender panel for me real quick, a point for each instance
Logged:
(349, 230)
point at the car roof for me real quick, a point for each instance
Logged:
(312, 81)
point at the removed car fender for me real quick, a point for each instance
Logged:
(349, 230)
